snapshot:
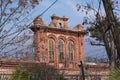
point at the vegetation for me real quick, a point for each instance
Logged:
(60, 77)
(104, 27)
(95, 33)
(115, 74)
(43, 72)
(20, 73)
(36, 72)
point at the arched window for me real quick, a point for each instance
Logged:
(71, 50)
(51, 49)
(61, 50)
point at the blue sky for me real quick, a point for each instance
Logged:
(61, 8)
(68, 8)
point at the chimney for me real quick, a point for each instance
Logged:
(65, 19)
(55, 19)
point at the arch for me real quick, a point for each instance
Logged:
(71, 39)
(51, 49)
(61, 49)
(52, 36)
(62, 37)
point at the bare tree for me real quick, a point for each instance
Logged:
(15, 38)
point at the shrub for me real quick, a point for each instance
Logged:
(115, 74)
(43, 72)
(20, 73)
(36, 72)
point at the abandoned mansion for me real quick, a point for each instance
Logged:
(57, 45)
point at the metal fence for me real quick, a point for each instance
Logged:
(87, 77)
(5, 76)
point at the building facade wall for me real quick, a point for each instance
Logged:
(42, 34)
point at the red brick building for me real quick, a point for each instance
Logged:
(57, 44)
(60, 46)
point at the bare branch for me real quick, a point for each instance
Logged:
(9, 16)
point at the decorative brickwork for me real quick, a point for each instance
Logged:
(57, 30)
(59, 46)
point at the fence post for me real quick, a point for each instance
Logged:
(30, 78)
(82, 69)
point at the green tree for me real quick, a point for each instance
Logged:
(20, 73)
(115, 74)
(105, 27)
(60, 77)
(43, 72)
(100, 35)
(37, 72)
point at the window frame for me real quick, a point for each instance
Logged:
(51, 49)
(71, 50)
(61, 50)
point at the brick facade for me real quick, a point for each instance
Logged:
(58, 29)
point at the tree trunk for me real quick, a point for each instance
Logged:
(108, 41)
(112, 24)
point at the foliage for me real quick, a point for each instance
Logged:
(115, 74)
(20, 73)
(95, 33)
(104, 24)
(36, 72)
(60, 77)
(43, 72)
